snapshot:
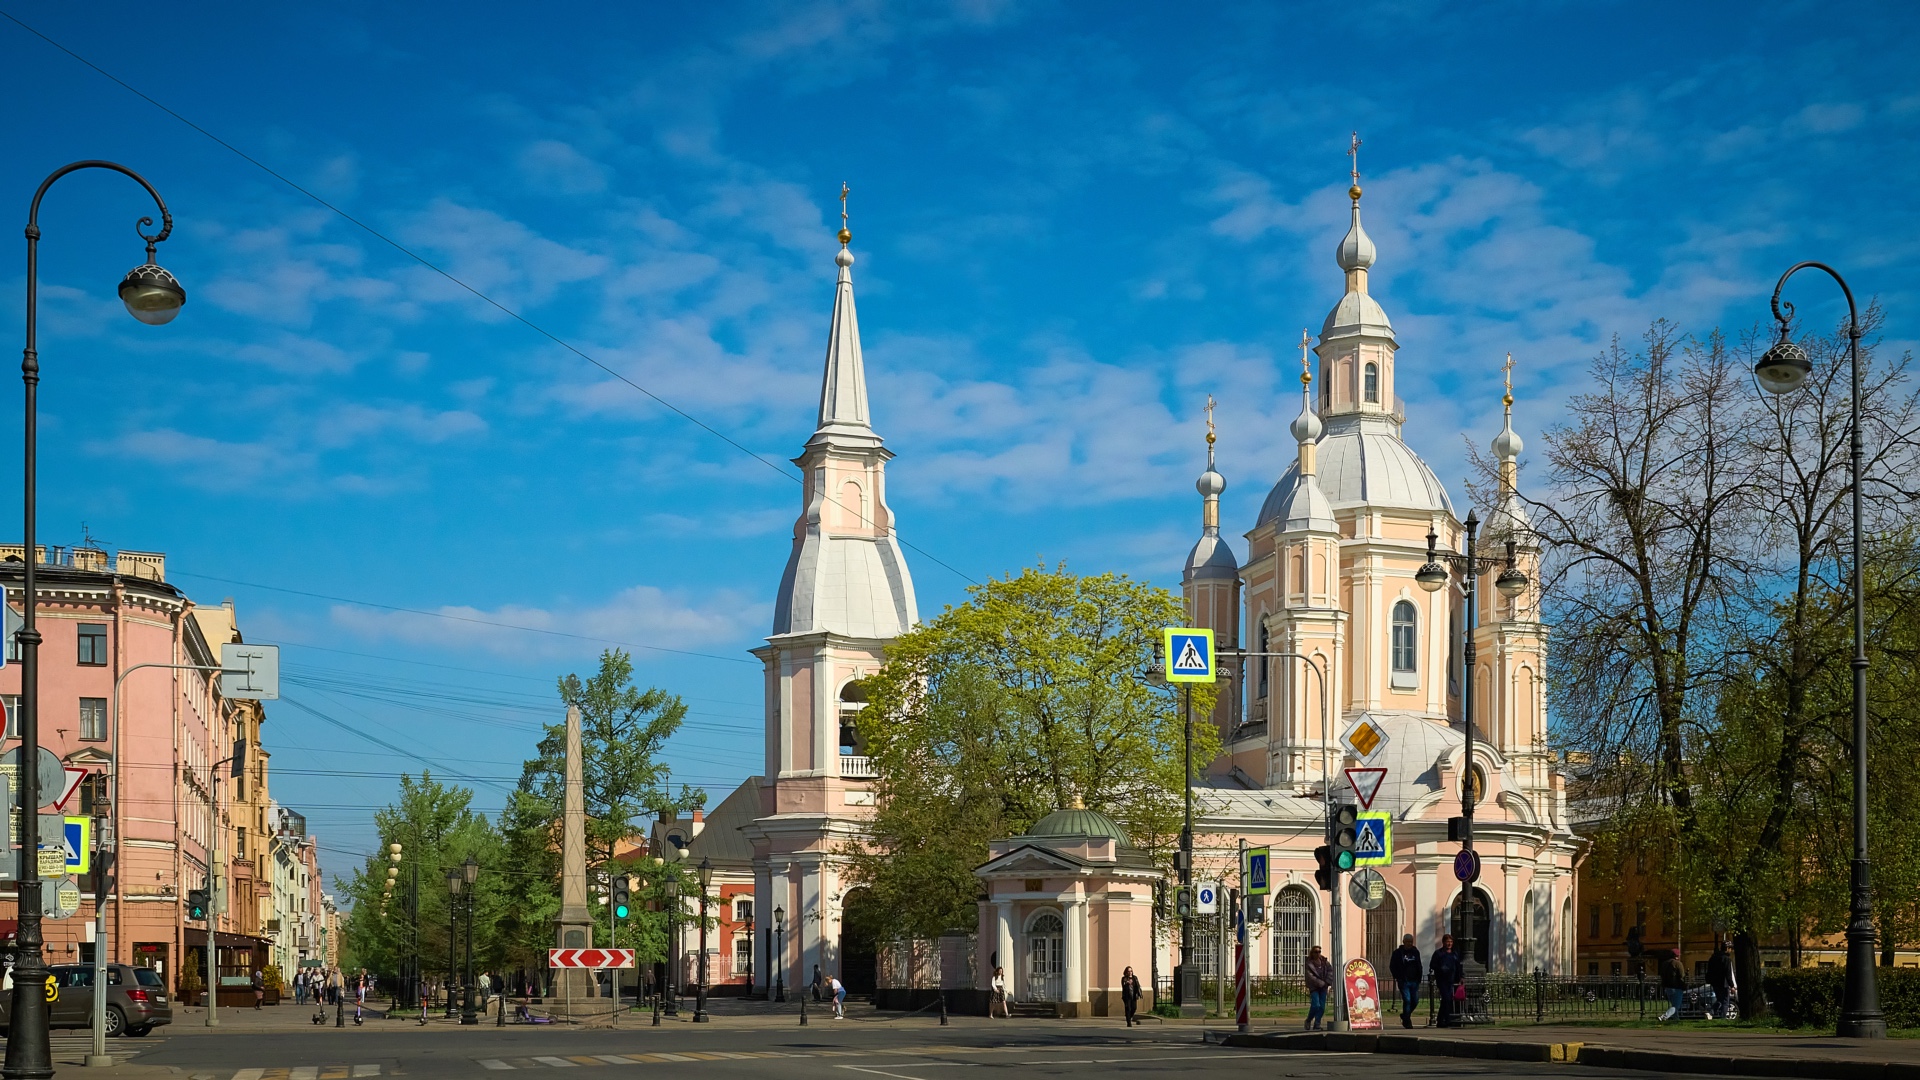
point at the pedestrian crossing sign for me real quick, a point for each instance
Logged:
(1189, 655)
(1258, 862)
(1373, 839)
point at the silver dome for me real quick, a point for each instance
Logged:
(1361, 461)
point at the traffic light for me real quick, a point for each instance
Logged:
(1346, 834)
(103, 872)
(197, 904)
(622, 896)
(1183, 901)
(1256, 909)
(1323, 875)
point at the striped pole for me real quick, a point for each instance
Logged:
(1240, 996)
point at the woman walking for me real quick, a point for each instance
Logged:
(1319, 972)
(1130, 994)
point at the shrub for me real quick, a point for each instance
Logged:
(1810, 997)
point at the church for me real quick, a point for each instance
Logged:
(1327, 582)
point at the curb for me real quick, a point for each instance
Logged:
(1571, 1053)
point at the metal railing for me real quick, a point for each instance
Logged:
(856, 767)
(1497, 997)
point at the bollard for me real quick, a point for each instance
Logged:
(502, 1022)
(803, 1012)
(340, 1010)
(943, 1008)
(656, 1012)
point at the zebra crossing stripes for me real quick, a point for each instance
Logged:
(309, 1072)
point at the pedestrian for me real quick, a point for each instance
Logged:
(1720, 977)
(816, 983)
(259, 989)
(1407, 972)
(997, 994)
(1448, 984)
(486, 990)
(1673, 981)
(839, 991)
(1319, 972)
(1130, 994)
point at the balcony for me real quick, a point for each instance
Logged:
(856, 767)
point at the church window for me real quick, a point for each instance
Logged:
(1373, 383)
(1406, 642)
(1292, 931)
(1266, 662)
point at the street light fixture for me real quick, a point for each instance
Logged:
(154, 297)
(1434, 576)
(1783, 369)
(455, 882)
(706, 881)
(673, 946)
(472, 875)
(780, 952)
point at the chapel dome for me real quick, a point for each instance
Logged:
(1361, 461)
(1078, 821)
(1211, 559)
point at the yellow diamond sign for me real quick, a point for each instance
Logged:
(1366, 738)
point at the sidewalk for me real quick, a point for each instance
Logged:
(1683, 1050)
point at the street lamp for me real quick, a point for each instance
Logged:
(1434, 576)
(673, 945)
(1783, 369)
(780, 954)
(153, 296)
(455, 882)
(700, 1002)
(471, 871)
(1185, 976)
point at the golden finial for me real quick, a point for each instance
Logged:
(1353, 151)
(1306, 369)
(1508, 368)
(845, 236)
(1209, 421)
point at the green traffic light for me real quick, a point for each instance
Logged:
(620, 912)
(1346, 860)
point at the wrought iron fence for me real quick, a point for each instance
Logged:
(1496, 997)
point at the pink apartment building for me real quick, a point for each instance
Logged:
(100, 616)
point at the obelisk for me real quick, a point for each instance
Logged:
(574, 927)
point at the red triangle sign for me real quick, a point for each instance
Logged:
(1366, 784)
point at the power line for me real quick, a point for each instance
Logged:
(483, 297)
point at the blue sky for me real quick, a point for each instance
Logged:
(1073, 223)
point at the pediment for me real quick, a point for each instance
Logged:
(1029, 861)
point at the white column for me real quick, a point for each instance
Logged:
(826, 721)
(1076, 959)
(1003, 940)
(1427, 919)
(763, 905)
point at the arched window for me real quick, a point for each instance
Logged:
(1292, 931)
(1266, 662)
(1406, 646)
(1373, 383)
(853, 698)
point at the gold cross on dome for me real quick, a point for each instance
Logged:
(1306, 370)
(1508, 369)
(1209, 419)
(843, 203)
(1353, 151)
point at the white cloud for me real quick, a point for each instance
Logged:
(639, 615)
(552, 165)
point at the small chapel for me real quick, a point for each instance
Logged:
(1337, 630)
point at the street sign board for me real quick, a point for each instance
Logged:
(1366, 784)
(1466, 865)
(77, 834)
(250, 671)
(73, 779)
(1206, 895)
(1363, 996)
(52, 773)
(1258, 881)
(1189, 655)
(53, 863)
(1365, 739)
(597, 959)
(60, 901)
(1368, 889)
(1373, 839)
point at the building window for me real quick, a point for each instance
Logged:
(1593, 921)
(1619, 920)
(1640, 916)
(742, 956)
(240, 843)
(1292, 932)
(1406, 646)
(743, 909)
(1666, 918)
(93, 644)
(1266, 662)
(1373, 384)
(93, 795)
(1614, 969)
(13, 715)
(93, 718)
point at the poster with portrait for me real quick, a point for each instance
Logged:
(1363, 996)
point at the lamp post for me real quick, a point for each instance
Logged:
(673, 944)
(780, 954)
(1782, 370)
(154, 297)
(1183, 972)
(471, 872)
(1433, 577)
(700, 1001)
(455, 881)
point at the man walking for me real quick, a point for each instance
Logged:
(1407, 972)
(1720, 976)
(1319, 973)
(1673, 981)
(1445, 969)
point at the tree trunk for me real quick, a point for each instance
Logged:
(1749, 974)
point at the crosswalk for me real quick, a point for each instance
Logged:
(310, 1073)
(574, 1061)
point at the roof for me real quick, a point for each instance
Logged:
(1361, 461)
(1211, 558)
(1078, 821)
(721, 839)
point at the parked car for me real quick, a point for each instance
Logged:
(136, 1000)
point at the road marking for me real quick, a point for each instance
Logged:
(366, 1070)
(249, 1074)
(675, 1057)
(582, 1060)
(494, 1063)
(615, 1059)
(556, 1062)
(304, 1072)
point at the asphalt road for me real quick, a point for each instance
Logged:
(847, 1050)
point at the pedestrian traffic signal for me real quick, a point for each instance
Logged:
(197, 904)
(1346, 835)
(1183, 901)
(1323, 876)
(622, 896)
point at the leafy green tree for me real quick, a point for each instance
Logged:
(437, 828)
(1028, 697)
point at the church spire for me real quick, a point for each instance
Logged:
(1507, 444)
(1356, 252)
(843, 389)
(1210, 558)
(1306, 427)
(1210, 484)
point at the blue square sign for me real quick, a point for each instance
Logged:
(1189, 655)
